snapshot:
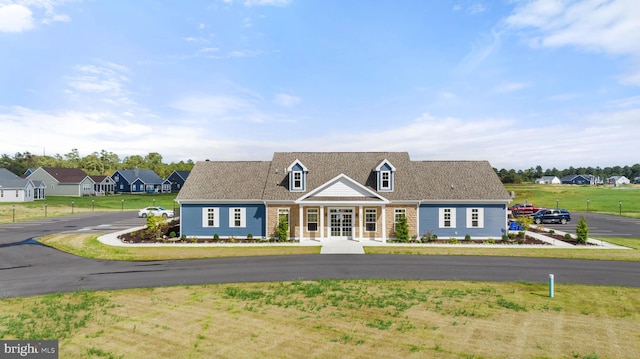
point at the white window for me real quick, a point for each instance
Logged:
(1, 193)
(297, 180)
(370, 219)
(283, 213)
(475, 217)
(121, 186)
(237, 217)
(210, 217)
(86, 187)
(385, 180)
(17, 192)
(398, 213)
(447, 218)
(312, 219)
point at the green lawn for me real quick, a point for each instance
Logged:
(603, 199)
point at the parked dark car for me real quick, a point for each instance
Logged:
(555, 215)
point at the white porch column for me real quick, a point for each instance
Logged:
(301, 221)
(360, 220)
(384, 224)
(321, 222)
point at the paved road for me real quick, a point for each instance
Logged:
(602, 225)
(28, 268)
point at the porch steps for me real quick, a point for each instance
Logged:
(341, 246)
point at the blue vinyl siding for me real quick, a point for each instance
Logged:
(495, 224)
(191, 220)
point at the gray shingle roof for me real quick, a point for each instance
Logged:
(6, 174)
(146, 176)
(222, 180)
(414, 180)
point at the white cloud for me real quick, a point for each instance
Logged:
(608, 26)
(20, 15)
(507, 87)
(286, 100)
(479, 52)
(108, 80)
(267, 2)
(15, 18)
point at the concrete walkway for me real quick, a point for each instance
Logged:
(344, 246)
(341, 246)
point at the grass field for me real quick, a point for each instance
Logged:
(603, 199)
(62, 206)
(335, 319)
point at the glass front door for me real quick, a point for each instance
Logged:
(341, 221)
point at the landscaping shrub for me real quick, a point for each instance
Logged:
(582, 231)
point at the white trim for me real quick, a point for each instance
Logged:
(441, 217)
(205, 217)
(232, 217)
(338, 178)
(480, 217)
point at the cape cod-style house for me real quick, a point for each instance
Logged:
(352, 195)
(139, 181)
(14, 188)
(63, 181)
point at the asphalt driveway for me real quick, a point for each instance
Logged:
(602, 225)
(29, 268)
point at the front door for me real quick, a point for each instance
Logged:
(341, 221)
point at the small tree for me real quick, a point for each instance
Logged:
(282, 230)
(524, 222)
(402, 229)
(582, 231)
(156, 225)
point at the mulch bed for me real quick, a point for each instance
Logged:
(559, 237)
(164, 235)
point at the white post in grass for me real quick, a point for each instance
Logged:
(551, 286)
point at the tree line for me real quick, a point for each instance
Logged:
(531, 174)
(106, 163)
(97, 163)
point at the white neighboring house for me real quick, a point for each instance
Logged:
(14, 188)
(618, 180)
(548, 180)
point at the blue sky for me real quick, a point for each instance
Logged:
(519, 83)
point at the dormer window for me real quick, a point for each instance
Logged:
(385, 180)
(297, 180)
(297, 176)
(385, 176)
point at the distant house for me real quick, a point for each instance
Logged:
(579, 179)
(63, 181)
(636, 180)
(103, 185)
(140, 181)
(14, 188)
(343, 195)
(177, 179)
(548, 180)
(618, 180)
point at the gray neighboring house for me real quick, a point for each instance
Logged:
(618, 180)
(548, 180)
(14, 188)
(343, 195)
(103, 185)
(57, 181)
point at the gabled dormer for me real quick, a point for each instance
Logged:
(297, 176)
(385, 173)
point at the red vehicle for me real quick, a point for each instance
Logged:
(523, 209)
